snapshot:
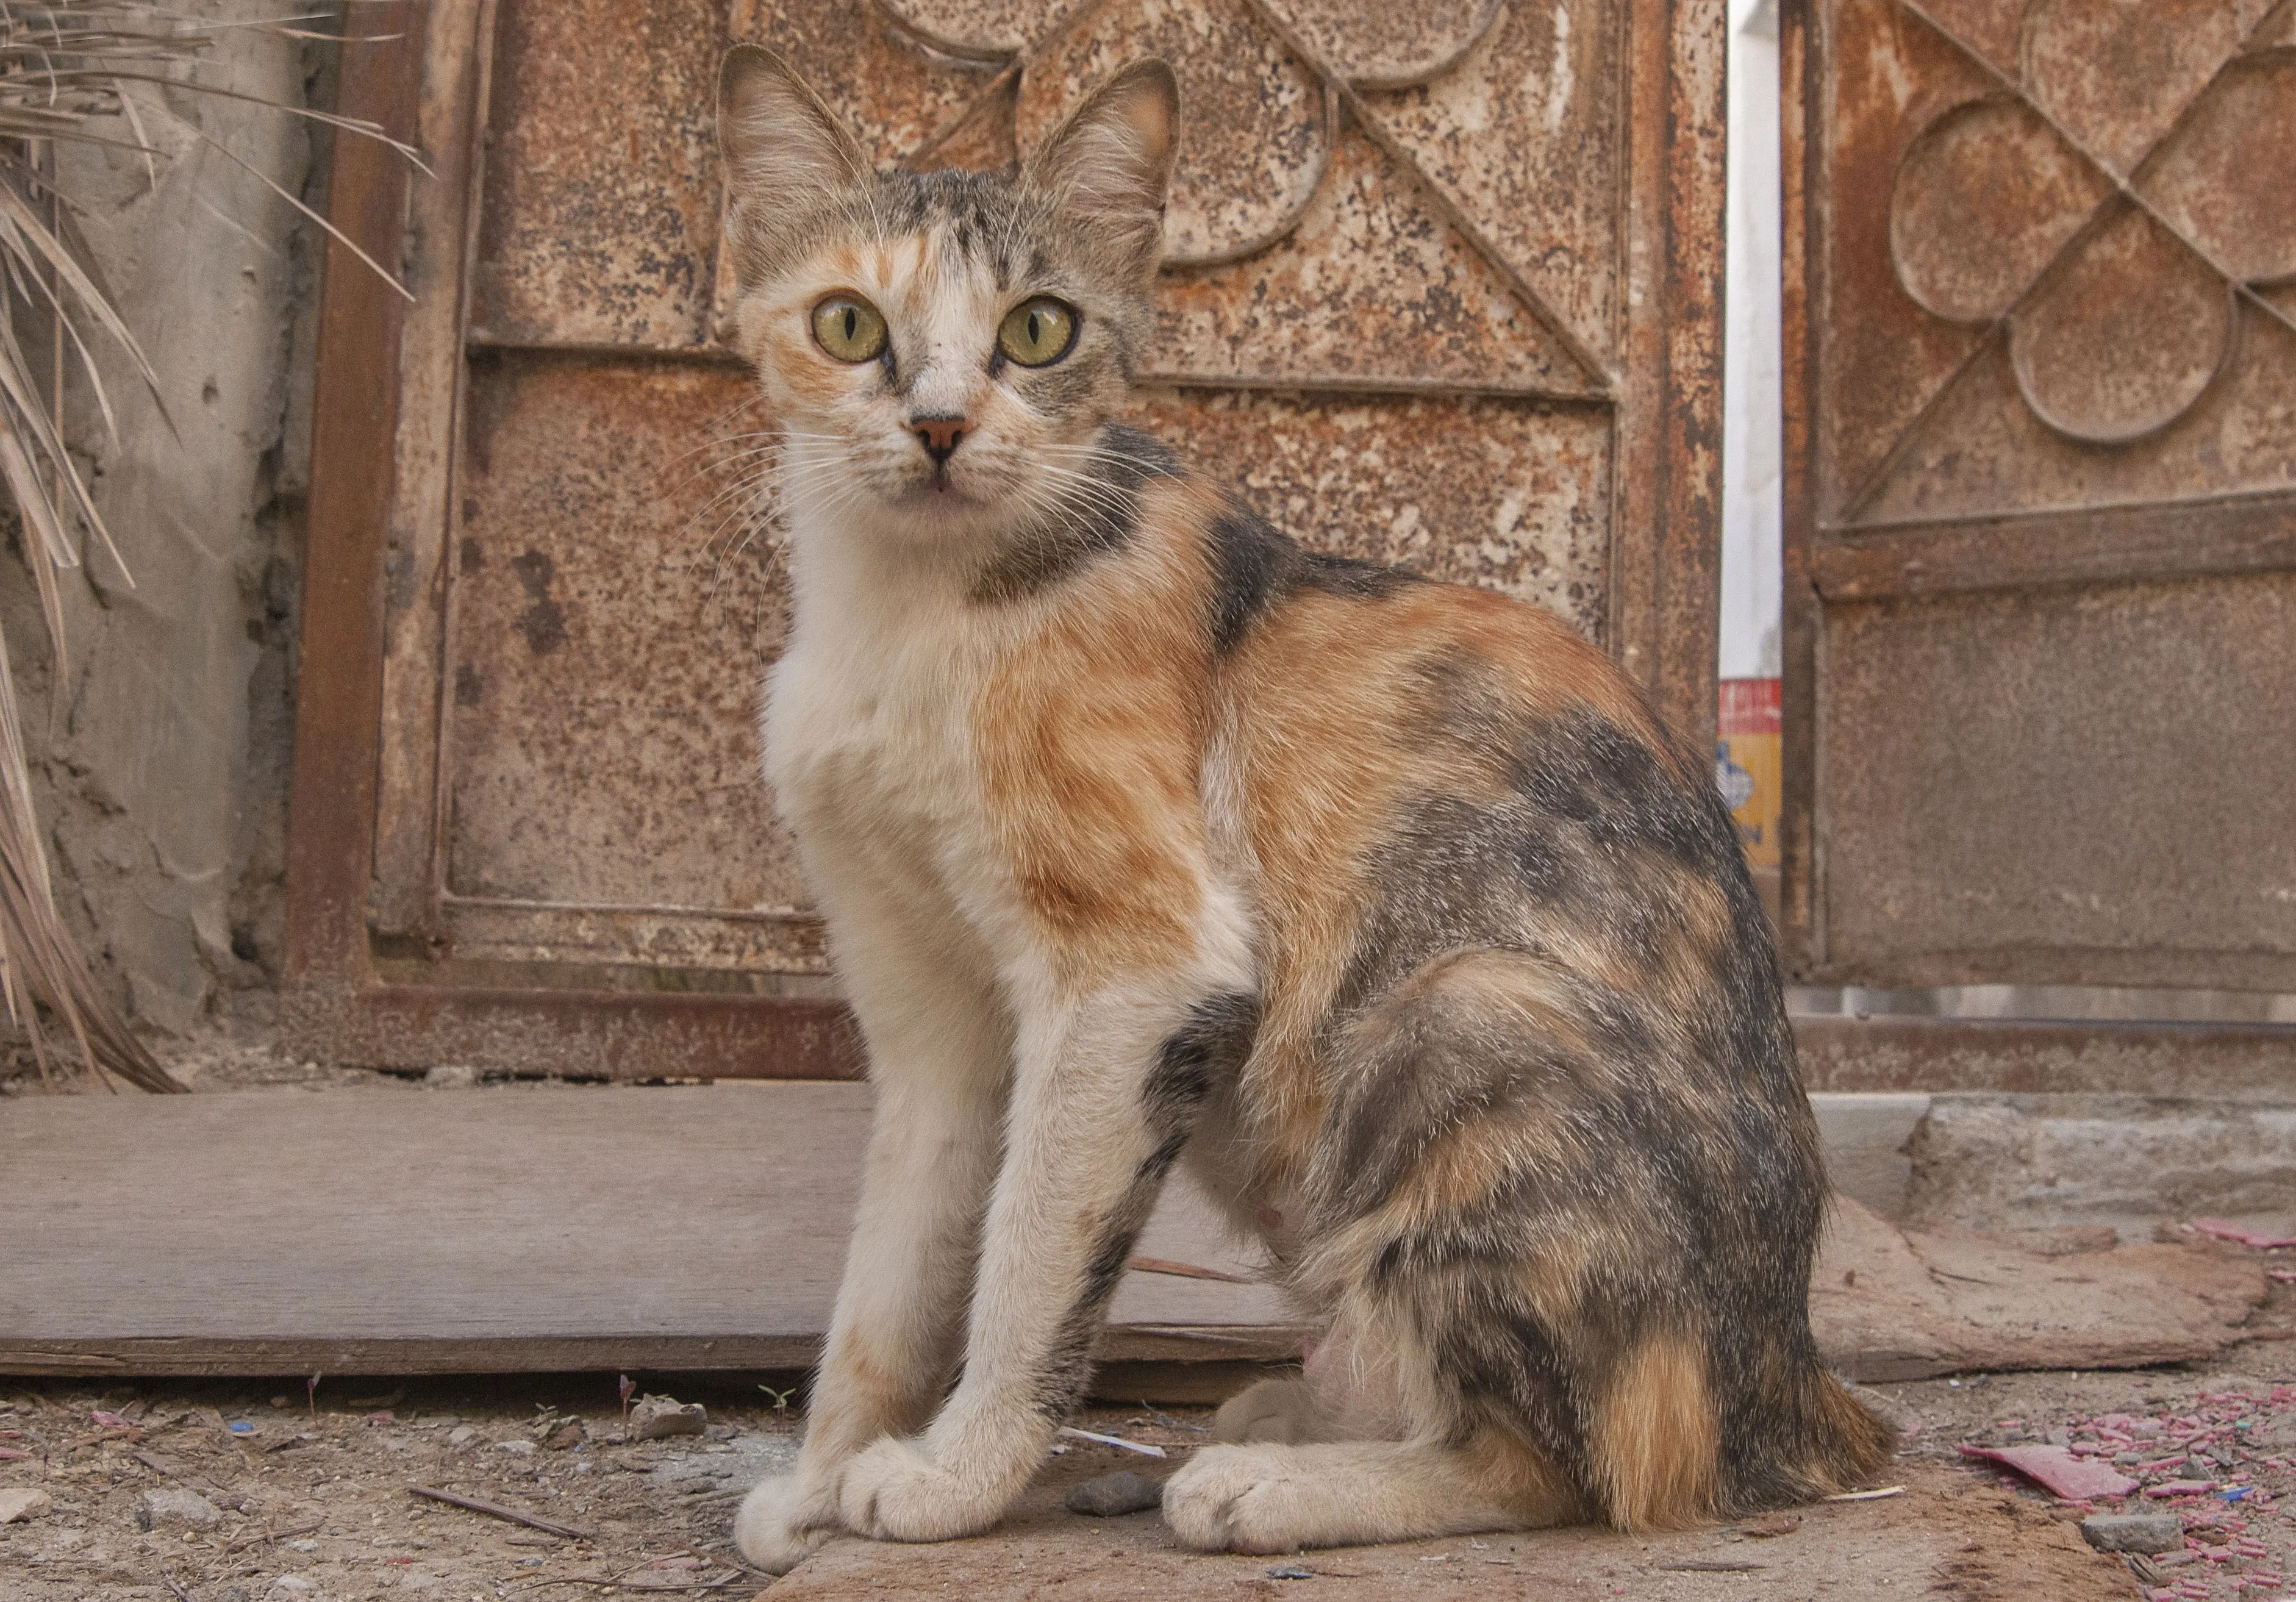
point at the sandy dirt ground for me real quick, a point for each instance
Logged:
(299, 1505)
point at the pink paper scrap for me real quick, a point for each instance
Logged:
(2073, 1478)
(2223, 1230)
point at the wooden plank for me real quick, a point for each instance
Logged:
(500, 1229)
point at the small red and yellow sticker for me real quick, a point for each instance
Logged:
(1748, 765)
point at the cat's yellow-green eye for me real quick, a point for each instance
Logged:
(849, 328)
(1037, 333)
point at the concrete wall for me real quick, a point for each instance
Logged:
(160, 758)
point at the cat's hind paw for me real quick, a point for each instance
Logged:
(894, 1492)
(1235, 1498)
(1278, 1410)
(779, 1526)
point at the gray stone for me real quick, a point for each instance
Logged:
(1112, 1495)
(654, 1418)
(2134, 1531)
(1865, 1134)
(176, 1508)
(2137, 1163)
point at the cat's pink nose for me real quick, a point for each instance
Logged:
(939, 435)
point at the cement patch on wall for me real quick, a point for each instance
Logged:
(160, 756)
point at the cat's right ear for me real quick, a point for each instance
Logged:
(782, 146)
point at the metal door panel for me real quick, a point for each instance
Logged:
(2010, 826)
(2042, 493)
(600, 219)
(1508, 494)
(1429, 302)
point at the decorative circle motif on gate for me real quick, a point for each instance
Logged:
(2112, 207)
(1261, 120)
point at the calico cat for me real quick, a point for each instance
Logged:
(1144, 835)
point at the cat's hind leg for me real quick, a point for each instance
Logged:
(1277, 1411)
(1279, 1497)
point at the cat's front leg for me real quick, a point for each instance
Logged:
(939, 1055)
(1105, 1095)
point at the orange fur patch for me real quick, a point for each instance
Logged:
(1656, 1439)
(1526, 1479)
(1089, 739)
(1326, 687)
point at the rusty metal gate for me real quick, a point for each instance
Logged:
(1443, 290)
(2041, 414)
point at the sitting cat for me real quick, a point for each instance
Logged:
(1144, 835)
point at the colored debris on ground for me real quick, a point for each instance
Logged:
(2226, 1463)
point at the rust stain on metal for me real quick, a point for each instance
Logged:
(621, 624)
(600, 212)
(1257, 124)
(1367, 284)
(1392, 46)
(1525, 133)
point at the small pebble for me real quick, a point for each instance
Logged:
(176, 1508)
(1113, 1495)
(658, 1417)
(2134, 1531)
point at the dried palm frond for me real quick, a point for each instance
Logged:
(65, 72)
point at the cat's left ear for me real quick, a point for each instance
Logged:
(1111, 160)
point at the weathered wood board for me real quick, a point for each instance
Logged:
(540, 1227)
(499, 1229)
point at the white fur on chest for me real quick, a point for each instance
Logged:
(866, 718)
(868, 728)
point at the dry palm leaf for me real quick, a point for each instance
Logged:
(65, 72)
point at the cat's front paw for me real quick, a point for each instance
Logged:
(1234, 1498)
(894, 1492)
(781, 1524)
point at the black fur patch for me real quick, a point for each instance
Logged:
(1089, 525)
(1254, 567)
(1209, 1046)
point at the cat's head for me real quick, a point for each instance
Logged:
(940, 347)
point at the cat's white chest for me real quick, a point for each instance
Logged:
(867, 734)
(860, 738)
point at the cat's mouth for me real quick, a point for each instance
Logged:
(940, 490)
